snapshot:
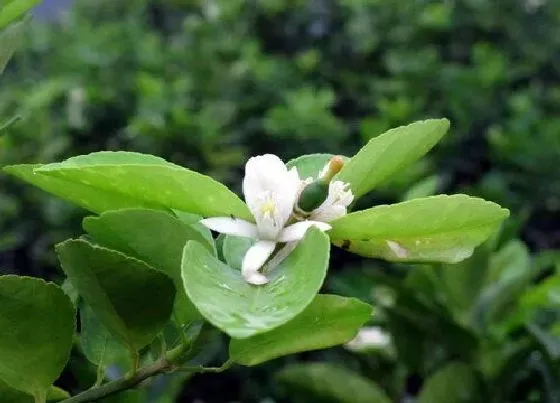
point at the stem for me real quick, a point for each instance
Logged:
(119, 385)
(165, 364)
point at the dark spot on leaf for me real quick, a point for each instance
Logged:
(346, 244)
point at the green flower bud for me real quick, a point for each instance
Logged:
(313, 195)
(317, 191)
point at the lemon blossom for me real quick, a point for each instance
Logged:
(271, 192)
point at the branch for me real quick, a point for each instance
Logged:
(167, 363)
(159, 367)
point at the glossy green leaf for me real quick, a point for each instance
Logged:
(390, 152)
(132, 231)
(227, 301)
(11, 395)
(10, 39)
(310, 165)
(11, 10)
(133, 300)
(328, 321)
(438, 228)
(151, 181)
(234, 249)
(89, 198)
(454, 383)
(322, 382)
(98, 345)
(37, 322)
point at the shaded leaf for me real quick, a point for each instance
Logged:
(132, 232)
(133, 300)
(390, 152)
(37, 322)
(10, 395)
(322, 382)
(328, 321)
(549, 341)
(510, 261)
(226, 300)
(234, 249)
(14, 9)
(454, 383)
(10, 40)
(98, 345)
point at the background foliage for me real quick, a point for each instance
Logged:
(206, 84)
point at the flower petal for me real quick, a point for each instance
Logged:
(254, 259)
(335, 206)
(262, 174)
(328, 213)
(231, 226)
(270, 192)
(296, 231)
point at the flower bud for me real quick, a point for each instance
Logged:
(317, 191)
(333, 167)
(313, 196)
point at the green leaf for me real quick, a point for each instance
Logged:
(546, 294)
(10, 40)
(425, 187)
(56, 394)
(463, 282)
(328, 321)
(132, 232)
(10, 395)
(15, 9)
(390, 152)
(133, 300)
(322, 382)
(311, 165)
(91, 199)
(98, 345)
(37, 322)
(454, 383)
(234, 249)
(549, 341)
(125, 177)
(194, 221)
(438, 228)
(511, 260)
(227, 301)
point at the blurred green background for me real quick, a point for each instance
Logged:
(206, 84)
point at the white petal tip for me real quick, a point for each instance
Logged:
(323, 226)
(256, 279)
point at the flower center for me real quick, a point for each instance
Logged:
(268, 208)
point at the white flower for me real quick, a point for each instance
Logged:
(336, 203)
(271, 192)
(369, 338)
